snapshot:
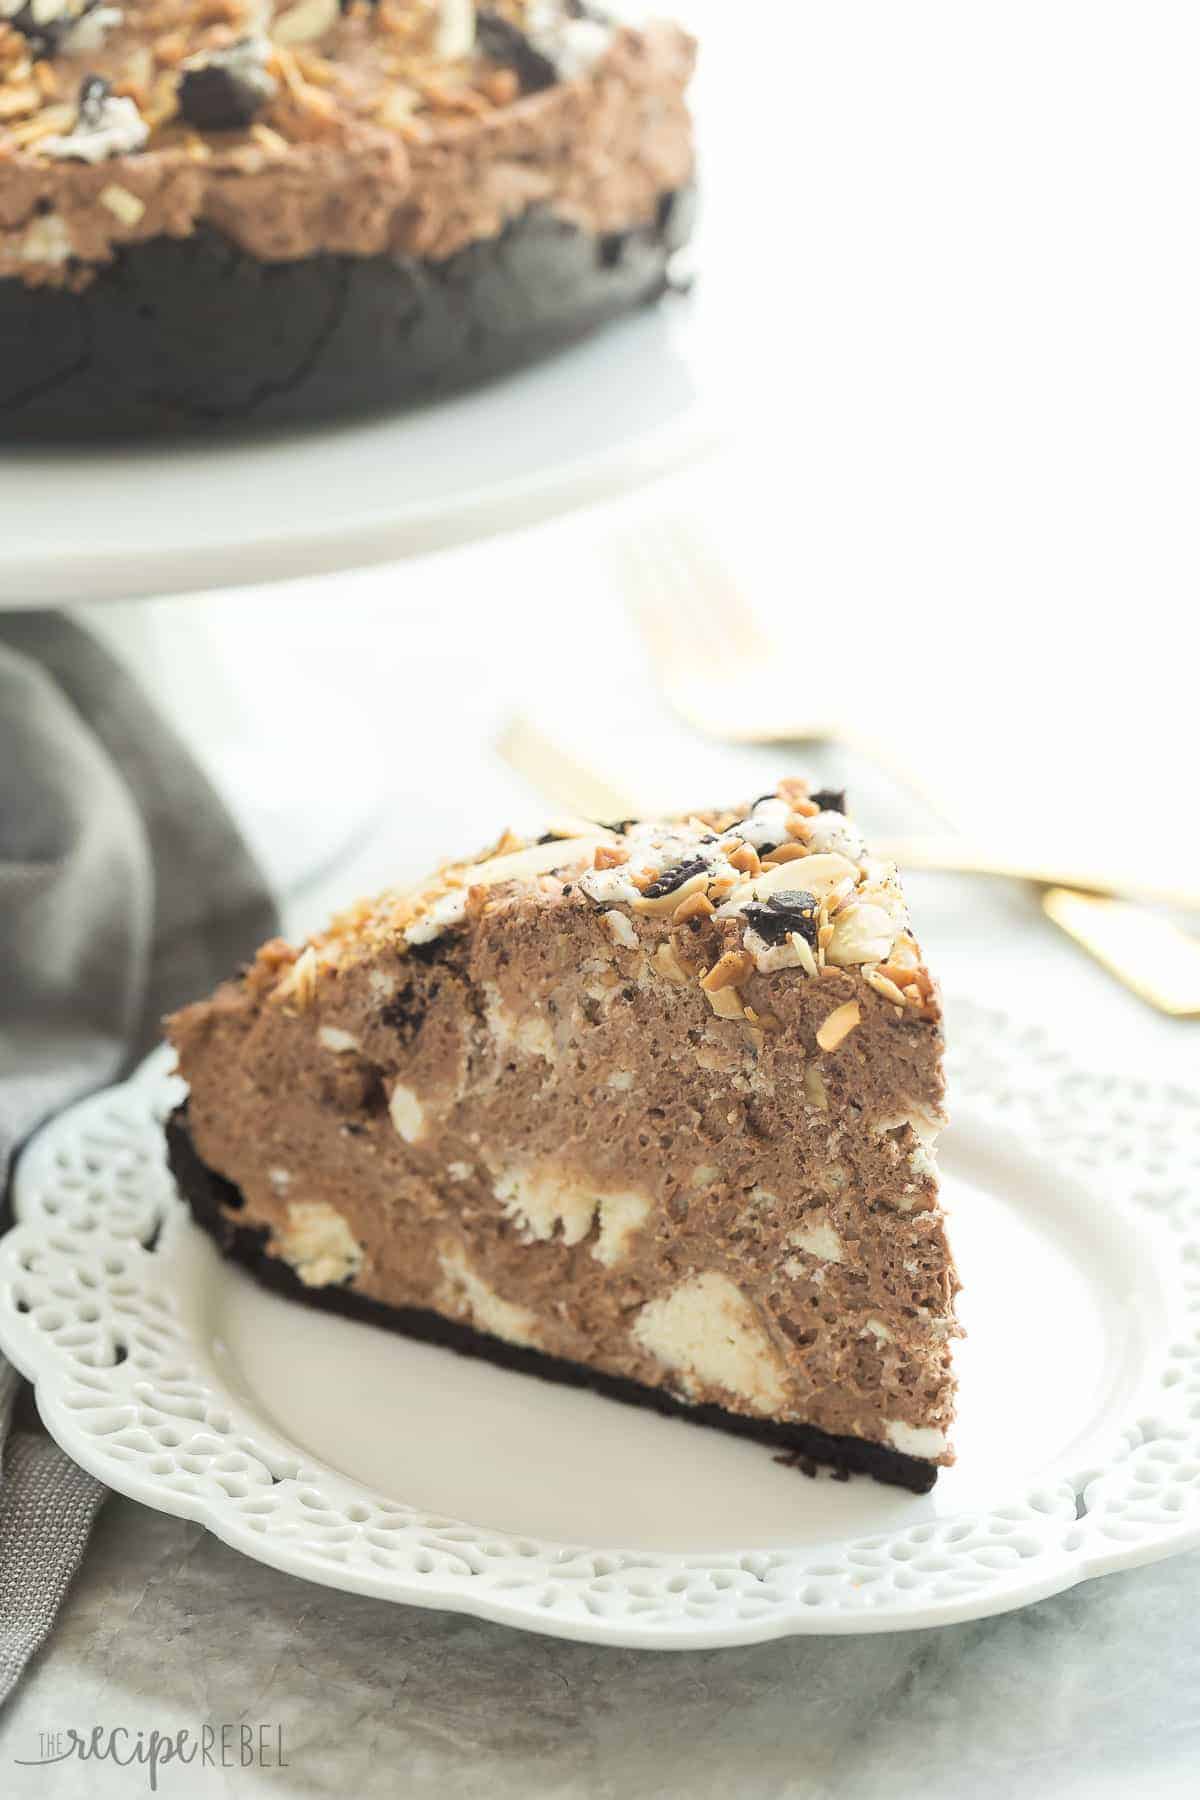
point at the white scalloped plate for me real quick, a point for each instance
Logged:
(354, 1458)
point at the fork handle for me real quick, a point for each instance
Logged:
(954, 855)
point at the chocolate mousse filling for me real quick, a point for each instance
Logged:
(214, 1203)
(655, 1102)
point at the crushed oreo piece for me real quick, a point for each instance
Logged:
(225, 90)
(506, 44)
(830, 799)
(674, 878)
(796, 1459)
(47, 24)
(619, 826)
(405, 1015)
(105, 125)
(789, 910)
(94, 94)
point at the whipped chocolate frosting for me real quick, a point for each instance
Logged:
(399, 126)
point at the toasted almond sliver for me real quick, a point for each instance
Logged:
(838, 1026)
(784, 853)
(667, 964)
(733, 967)
(883, 986)
(696, 906)
(124, 206)
(725, 1002)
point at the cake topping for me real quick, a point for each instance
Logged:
(106, 124)
(220, 90)
(693, 897)
(785, 912)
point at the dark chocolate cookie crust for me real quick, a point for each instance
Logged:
(211, 1198)
(193, 335)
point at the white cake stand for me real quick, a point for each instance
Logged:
(101, 528)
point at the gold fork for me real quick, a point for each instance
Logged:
(714, 665)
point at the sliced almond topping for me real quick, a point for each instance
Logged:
(668, 965)
(306, 21)
(300, 983)
(669, 903)
(823, 872)
(838, 1026)
(725, 1003)
(883, 986)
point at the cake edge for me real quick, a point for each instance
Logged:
(208, 1195)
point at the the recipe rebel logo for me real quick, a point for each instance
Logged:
(227, 1746)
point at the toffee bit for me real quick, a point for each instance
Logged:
(674, 878)
(791, 909)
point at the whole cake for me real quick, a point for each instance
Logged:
(647, 1107)
(219, 211)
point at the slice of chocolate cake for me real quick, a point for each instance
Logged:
(648, 1108)
(216, 212)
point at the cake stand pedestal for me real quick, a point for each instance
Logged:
(96, 529)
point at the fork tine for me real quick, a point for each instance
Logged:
(652, 596)
(686, 603)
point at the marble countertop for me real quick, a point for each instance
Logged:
(1084, 1696)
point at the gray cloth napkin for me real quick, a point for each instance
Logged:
(125, 890)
